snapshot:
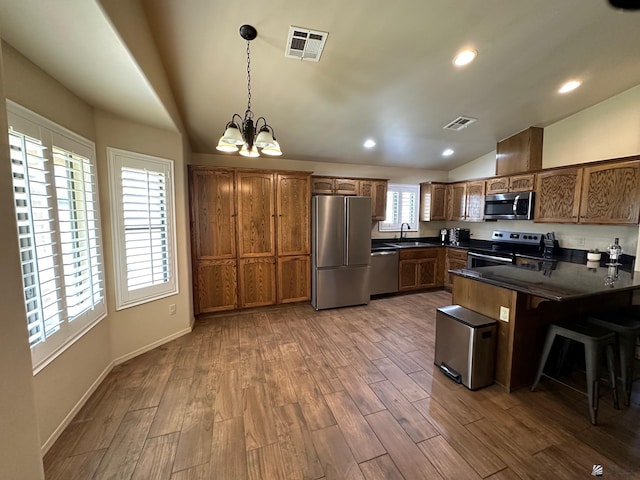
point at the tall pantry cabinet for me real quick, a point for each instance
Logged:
(250, 234)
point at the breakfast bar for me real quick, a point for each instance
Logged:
(526, 298)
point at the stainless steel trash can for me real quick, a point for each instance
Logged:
(466, 346)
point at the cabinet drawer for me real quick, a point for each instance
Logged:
(457, 254)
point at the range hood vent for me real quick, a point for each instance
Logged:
(460, 123)
(305, 44)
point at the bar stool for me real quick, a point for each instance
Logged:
(595, 340)
(625, 323)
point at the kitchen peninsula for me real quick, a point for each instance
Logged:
(526, 298)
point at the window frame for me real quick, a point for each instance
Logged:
(25, 123)
(117, 159)
(396, 227)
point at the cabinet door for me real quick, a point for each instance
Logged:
(558, 195)
(256, 213)
(294, 279)
(215, 286)
(428, 273)
(521, 152)
(456, 205)
(408, 274)
(322, 185)
(212, 214)
(433, 201)
(346, 186)
(257, 283)
(522, 183)
(293, 214)
(475, 201)
(377, 190)
(497, 185)
(611, 194)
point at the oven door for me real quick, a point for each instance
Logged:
(476, 260)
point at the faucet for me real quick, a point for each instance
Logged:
(402, 231)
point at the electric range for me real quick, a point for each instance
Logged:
(508, 248)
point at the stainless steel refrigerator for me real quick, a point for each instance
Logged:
(341, 246)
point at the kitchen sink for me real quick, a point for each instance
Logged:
(410, 244)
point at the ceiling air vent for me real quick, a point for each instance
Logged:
(305, 44)
(460, 123)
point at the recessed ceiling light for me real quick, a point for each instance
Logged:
(569, 86)
(369, 143)
(465, 57)
(447, 153)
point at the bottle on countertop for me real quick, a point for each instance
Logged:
(615, 251)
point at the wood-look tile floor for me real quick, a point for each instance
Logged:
(290, 393)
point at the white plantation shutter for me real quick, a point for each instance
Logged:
(144, 237)
(57, 220)
(402, 207)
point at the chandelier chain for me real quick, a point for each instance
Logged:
(248, 112)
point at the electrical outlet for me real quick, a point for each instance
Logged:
(504, 314)
(172, 309)
(580, 241)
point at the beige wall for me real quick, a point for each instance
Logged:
(62, 386)
(398, 175)
(610, 129)
(19, 439)
(136, 328)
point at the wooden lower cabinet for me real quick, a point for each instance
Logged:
(456, 258)
(257, 282)
(294, 278)
(420, 268)
(216, 289)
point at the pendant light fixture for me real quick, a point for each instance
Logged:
(243, 133)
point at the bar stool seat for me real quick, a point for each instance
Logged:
(625, 323)
(595, 339)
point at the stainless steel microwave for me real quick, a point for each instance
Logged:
(509, 206)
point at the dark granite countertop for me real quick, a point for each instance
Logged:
(558, 280)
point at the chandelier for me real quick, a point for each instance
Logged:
(242, 133)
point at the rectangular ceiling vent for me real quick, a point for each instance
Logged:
(305, 44)
(460, 123)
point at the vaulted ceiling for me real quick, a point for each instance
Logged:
(385, 73)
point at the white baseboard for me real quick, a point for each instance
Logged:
(117, 361)
(74, 411)
(151, 346)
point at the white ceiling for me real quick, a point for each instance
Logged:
(385, 72)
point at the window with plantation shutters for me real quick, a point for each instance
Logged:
(58, 227)
(402, 207)
(144, 238)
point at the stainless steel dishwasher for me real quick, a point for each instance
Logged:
(384, 272)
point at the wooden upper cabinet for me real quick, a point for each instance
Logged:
(346, 186)
(322, 185)
(611, 193)
(377, 190)
(433, 201)
(497, 185)
(293, 199)
(456, 201)
(212, 213)
(558, 195)
(256, 214)
(522, 183)
(520, 153)
(335, 186)
(474, 211)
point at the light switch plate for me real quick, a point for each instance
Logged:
(504, 314)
